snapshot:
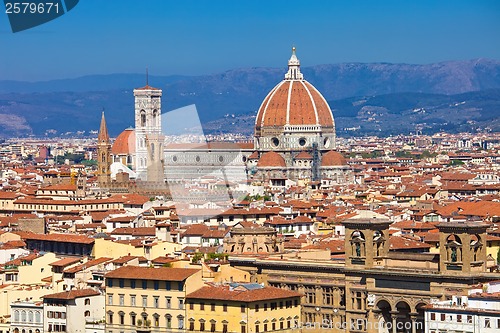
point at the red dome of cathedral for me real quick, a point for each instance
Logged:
(124, 143)
(294, 102)
(332, 158)
(271, 159)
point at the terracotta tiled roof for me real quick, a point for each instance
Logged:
(294, 102)
(86, 265)
(124, 259)
(195, 230)
(17, 261)
(402, 243)
(413, 225)
(59, 187)
(477, 208)
(271, 159)
(124, 143)
(218, 233)
(14, 244)
(333, 158)
(457, 176)
(226, 293)
(149, 273)
(47, 279)
(133, 199)
(8, 195)
(163, 260)
(135, 232)
(65, 238)
(303, 156)
(147, 87)
(65, 262)
(72, 294)
(335, 246)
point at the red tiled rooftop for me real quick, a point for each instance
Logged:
(65, 262)
(72, 294)
(65, 238)
(239, 294)
(271, 159)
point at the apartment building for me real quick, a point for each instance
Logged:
(148, 299)
(243, 308)
(477, 312)
(69, 311)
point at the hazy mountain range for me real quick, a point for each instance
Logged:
(365, 98)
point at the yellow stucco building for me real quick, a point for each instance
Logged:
(148, 299)
(243, 308)
(113, 249)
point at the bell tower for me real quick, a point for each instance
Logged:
(462, 247)
(148, 133)
(366, 239)
(103, 155)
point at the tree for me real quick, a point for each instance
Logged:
(197, 257)
(455, 163)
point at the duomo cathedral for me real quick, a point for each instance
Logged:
(294, 139)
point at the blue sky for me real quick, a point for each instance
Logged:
(200, 37)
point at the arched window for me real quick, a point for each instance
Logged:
(454, 248)
(152, 151)
(30, 316)
(358, 244)
(103, 157)
(16, 315)
(155, 114)
(37, 317)
(23, 316)
(87, 313)
(143, 118)
(87, 301)
(475, 246)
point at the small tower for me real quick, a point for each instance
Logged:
(294, 68)
(81, 186)
(366, 239)
(148, 132)
(462, 247)
(103, 155)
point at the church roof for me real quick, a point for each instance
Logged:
(147, 87)
(303, 156)
(124, 143)
(294, 102)
(271, 159)
(333, 158)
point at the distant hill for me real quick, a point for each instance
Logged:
(75, 104)
(393, 114)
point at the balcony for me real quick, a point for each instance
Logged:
(143, 326)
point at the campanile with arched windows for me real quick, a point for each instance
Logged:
(148, 133)
(366, 239)
(462, 247)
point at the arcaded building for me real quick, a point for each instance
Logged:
(371, 289)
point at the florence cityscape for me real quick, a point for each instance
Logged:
(249, 167)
